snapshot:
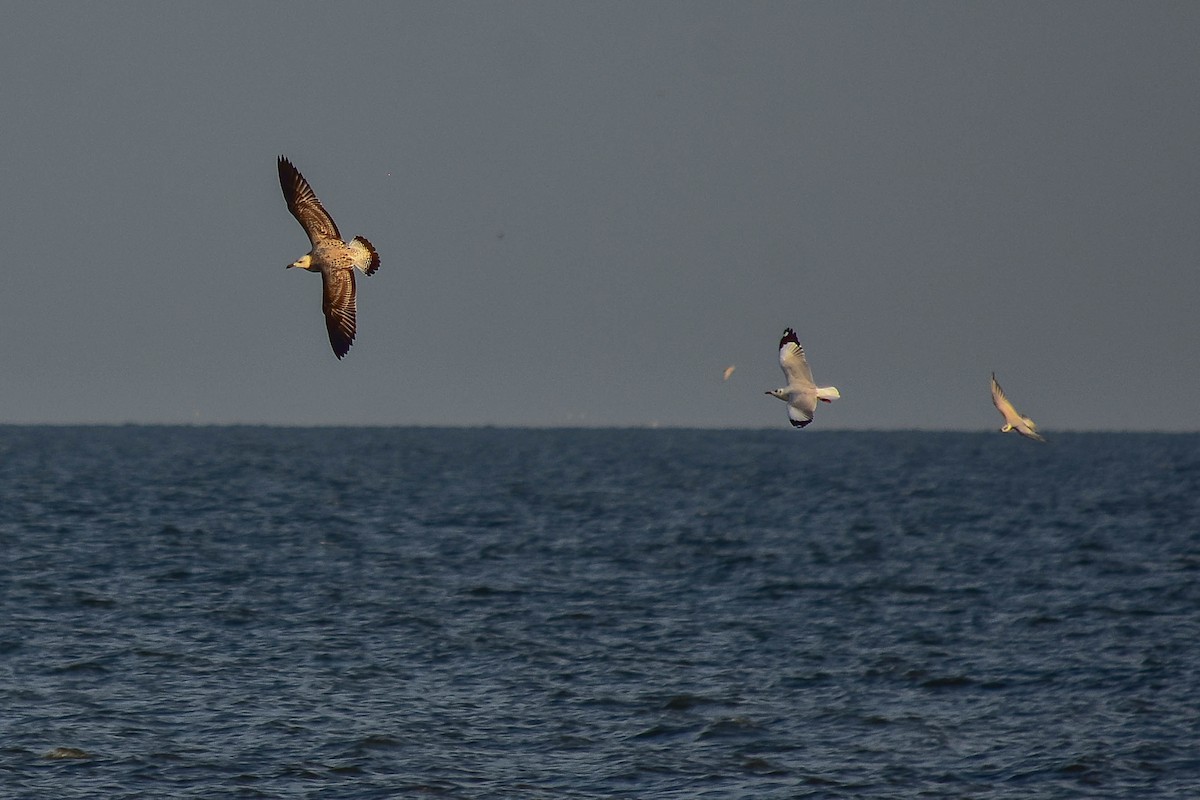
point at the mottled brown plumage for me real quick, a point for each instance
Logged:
(335, 259)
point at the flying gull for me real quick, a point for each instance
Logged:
(1012, 420)
(330, 256)
(801, 394)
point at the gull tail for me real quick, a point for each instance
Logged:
(827, 394)
(365, 257)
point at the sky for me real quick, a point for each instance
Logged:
(585, 212)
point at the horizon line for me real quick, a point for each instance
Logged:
(565, 427)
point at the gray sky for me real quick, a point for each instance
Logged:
(586, 211)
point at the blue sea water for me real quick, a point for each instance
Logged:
(499, 613)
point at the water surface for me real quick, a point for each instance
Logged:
(492, 613)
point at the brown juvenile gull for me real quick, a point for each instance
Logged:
(1013, 421)
(801, 394)
(330, 256)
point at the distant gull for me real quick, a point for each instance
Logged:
(729, 371)
(1012, 420)
(801, 394)
(330, 256)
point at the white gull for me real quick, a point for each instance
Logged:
(801, 394)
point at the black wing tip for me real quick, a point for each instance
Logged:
(789, 335)
(340, 347)
(289, 179)
(340, 338)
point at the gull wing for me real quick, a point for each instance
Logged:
(1002, 404)
(800, 411)
(794, 364)
(338, 303)
(304, 205)
(1029, 430)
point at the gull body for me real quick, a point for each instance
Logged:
(800, 394)
(335, 259)
(1013, 421)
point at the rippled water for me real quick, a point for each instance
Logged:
(377, 613)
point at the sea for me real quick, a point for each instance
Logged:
(259, 612)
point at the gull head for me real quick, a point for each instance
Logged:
(304, 262)
(780, 393)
